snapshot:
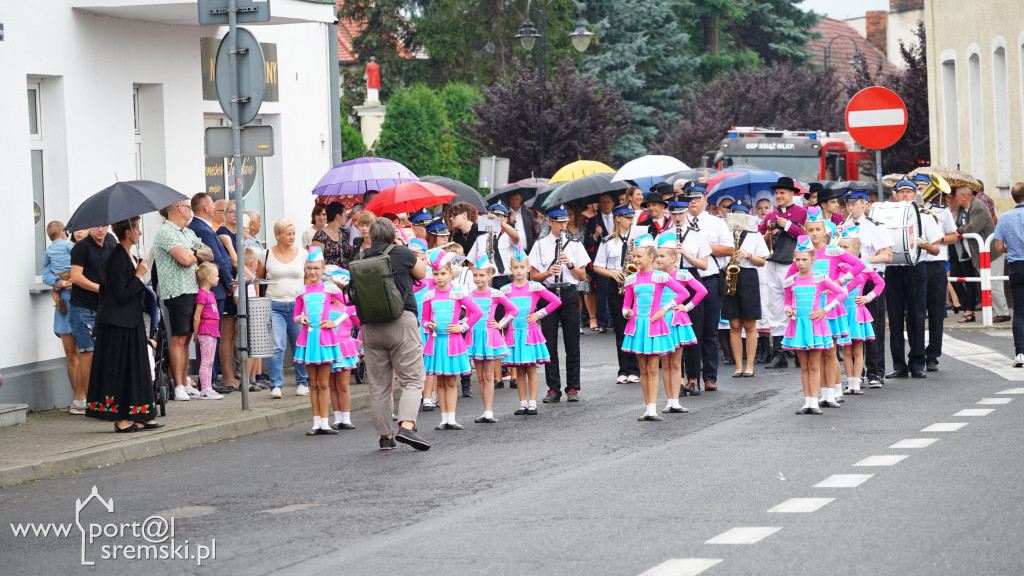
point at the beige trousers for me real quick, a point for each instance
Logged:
(394, 348)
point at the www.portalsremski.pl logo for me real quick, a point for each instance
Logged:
(150, 539)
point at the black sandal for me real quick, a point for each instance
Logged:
(132, 428)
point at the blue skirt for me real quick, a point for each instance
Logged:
(523, 354)
(441, 363)
(840, 328)
(640, 342)
(347, 363)
(859, 331)
(805, 338)
(684, 335)
(316, 354)
(481, 351)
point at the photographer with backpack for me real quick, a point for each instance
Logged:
(382, 291)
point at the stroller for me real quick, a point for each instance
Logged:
(159, 332)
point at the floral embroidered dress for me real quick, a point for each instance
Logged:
(484, 342)
(316, 345)
(525, 341)
(445, 354)
(644, 296)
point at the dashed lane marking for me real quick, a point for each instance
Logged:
(1012, 391)
(975, 412)
(682, 567)
(983, 358)
(994, 401)
(800, 505)
(945, 427)
(843, 481)
(744, 535)
(914, 443)
(882, 460)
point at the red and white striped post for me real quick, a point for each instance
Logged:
(984, 274)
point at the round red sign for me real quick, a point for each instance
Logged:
(876, 117)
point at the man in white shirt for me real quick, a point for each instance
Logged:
(876, 249)
(714, 230)
(502, 241)
(522, 219)
(608, 265)
(560, 275)
(694, 254)
(935, 272)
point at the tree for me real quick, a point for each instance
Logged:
(352, 145)
(458, 100)
(385, 36)
(413, 133)
(467, 41)
(582, 119)
(784, 96)
(642, 52)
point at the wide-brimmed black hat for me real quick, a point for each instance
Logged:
(663, 188)
(826, 194)
(654, 198)
(815, 187)
(786, 183)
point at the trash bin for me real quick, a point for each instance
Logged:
(261, 333)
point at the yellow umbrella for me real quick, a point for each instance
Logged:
(579, 169)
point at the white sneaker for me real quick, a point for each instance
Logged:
(632, 379)
(76, 410)
(1018, 361)
(191, 391)
(210, 394)
(301, 390)
(180, 394)
(620, 380)
(433, 398)
(275, 392)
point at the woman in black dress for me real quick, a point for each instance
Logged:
(120, 384)
(334, 238)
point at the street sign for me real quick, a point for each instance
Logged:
(876, 117)
(493, 172)
(215, 12)
(256, 141)
(252, 76)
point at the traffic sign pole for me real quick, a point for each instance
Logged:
(242, 325)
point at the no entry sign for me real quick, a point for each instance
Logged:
(876, 117)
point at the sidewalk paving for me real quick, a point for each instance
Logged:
(54, 442)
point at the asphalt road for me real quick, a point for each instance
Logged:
(584, 488)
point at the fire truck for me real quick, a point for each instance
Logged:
(801, 155)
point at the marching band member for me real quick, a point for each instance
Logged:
(905, 297)
(829, 201)
(444, 354)
(559, 264)
(525, 340)
(935, 268)
(857, 316)
(487, 346)
(655, 204)
(694, 252)
(678, 318)
(743, 309)
(437, 233)
(647, 332)
(876, 249)
(781, 228)
(609, 262)
(807, 331)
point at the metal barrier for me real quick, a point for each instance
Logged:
(984, 274)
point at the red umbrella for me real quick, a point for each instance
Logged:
(409, 197)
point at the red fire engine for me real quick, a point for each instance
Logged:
(804, 155)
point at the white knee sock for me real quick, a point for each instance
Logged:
(346, 417)
(652, 409)
(810, 401)
(338, 418)
(673, 403)
(838, 390)
(827, 394)
(316, 422)
(524, 404)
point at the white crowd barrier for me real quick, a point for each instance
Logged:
(985, 276)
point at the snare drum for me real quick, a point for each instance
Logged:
(903, 222)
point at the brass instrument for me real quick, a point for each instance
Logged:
(490, 246)
(628, 266)
(938, 184)
(834, 241)
(732, 271)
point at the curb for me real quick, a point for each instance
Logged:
(165, 442)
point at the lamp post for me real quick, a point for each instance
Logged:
(529, 35)
(857, 56)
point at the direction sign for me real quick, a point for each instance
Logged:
(252, 76)
(876, 117)
(215, 12)
(256, 141)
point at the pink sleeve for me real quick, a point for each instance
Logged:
(351, 310)
(300, 307)
(553, 301)
(857, 282)
(428, 311)
(510, 309)
(676, 286)
(790, 297)
(627, 301)
(856, 264)
(473, 311)
(838, 292)
(878, 280)
(699, 291)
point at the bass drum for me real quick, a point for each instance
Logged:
(903, 222)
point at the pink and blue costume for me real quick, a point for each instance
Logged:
(858, 317)
(525, 340)
(679, 320)
(484, 342)
(806, 294)
(420, 287)
(316, 345)
(643, 291)
(344, 318)
(446, 354)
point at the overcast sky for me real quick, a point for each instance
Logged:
(843, 9)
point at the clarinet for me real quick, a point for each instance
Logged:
(559, 245)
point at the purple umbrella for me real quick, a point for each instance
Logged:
(357, 176)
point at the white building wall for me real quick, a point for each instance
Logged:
(89, 64)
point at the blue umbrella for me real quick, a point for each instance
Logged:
(645, 183)
(744, 185)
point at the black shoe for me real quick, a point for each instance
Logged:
(737, 374)
(674, 410)
(531, 411)
(326, 431)
(840, 399)
(650, 418)
(387, 443)
(467, 392)
(552, 398)
(451, 426)
(603, 330)
(778, 361)
(343, 426)
(406, 436)
(728, 360)
(485, 420)
(128, 429)
(693, 390)
(897, 374)
(932, 366)
(521, 412)
(312, 432)
(154, 426)
(852, 392)
(222, 389)
(814, 410)
(828, 404)
(499, 384)
(512, 384)
(874, 381)
(428, 407)
(572, 396)
(804, 410)
(917, 374)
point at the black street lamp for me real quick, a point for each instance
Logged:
(529, 35)
(857, 56)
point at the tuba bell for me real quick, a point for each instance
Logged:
(937, 185)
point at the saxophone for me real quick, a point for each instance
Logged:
(490, 246)
(732, 271)
(628, 267)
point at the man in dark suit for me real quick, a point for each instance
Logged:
(522, 218)
(201, 224)
(655, 204)
(598, 227)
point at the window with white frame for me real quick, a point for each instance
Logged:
(37, 151)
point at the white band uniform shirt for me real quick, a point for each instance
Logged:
(946, 225)
(543, 256)
(609, 254)
(503, 246)
(696, 245)
(754, 245)
(717, 233)
(873, 238)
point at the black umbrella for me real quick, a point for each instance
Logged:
(527, 188)
(585, 190)
(540, 199)
(466, 193)
(122, 201)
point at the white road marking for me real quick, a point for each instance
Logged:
(975, 412)
(288, 508)
(1012, 391)
(871, 118)
(915, 443)
(882, 460)
(945, 427)
(843, 481)
(995, 401)
(682, 567)
(982, 357)
(800, 505)
(744, 535)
